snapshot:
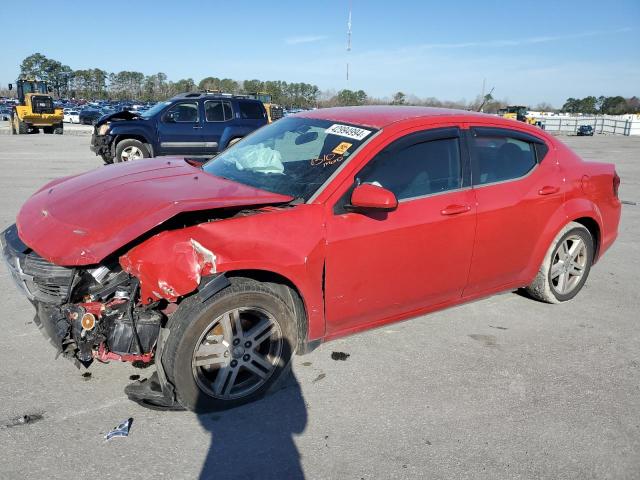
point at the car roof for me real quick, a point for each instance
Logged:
(379, 116)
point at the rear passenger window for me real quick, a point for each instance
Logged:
(251, 111)
(420, 169)
(217, 111)
(497, 158)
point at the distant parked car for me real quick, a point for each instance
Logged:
(5, 113)
(193, 124)
(71, 116)
(585, 131)
(89, 116)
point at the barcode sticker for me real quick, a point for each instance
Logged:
(348, 131)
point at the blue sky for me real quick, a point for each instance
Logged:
(531, 51)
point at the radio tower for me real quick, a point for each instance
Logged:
(348, 39)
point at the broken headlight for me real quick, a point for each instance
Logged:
(103, 129)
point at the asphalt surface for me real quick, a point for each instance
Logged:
(505, 387)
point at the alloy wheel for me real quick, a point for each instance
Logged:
(568, 265)
(237, 353)
(131, 153)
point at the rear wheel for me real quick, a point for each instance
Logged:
(58, 129)
(231, 349)
(130, 149)
(566, 265)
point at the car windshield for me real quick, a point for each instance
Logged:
(153, 110)
(293, 156)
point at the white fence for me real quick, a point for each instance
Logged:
(606, 125)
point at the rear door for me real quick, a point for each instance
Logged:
(217, 116)
(385, 265)
(518, 186)
(180, 130)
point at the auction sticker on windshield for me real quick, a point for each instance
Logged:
(348, 131)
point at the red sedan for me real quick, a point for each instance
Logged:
(316, 226)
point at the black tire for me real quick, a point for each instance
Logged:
(20, 128)
(47, 130)
(193, 320)
(546, 286)
(58, 129)
(126, 144)
(233, 141)
(107, 159)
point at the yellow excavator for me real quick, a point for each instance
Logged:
(517, 112)
(274, 112)
(35, 109)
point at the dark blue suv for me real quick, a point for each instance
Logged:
(191, 124)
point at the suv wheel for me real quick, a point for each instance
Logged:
(231, 349)
(565, 267)
(130, 149)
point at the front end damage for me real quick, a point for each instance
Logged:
(87, 313)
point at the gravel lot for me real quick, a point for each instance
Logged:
(500, 388)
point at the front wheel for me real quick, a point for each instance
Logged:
(231, 349)
(130, 149)
(566, 265)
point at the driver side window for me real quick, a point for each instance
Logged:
(416, 170)
(186, 112)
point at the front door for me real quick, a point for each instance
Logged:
(381, 266)
(180, 130)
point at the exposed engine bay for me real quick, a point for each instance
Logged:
(87, 313)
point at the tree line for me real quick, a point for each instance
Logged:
(602, 105)
(95, 83)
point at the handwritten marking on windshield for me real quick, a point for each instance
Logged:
(326, 160)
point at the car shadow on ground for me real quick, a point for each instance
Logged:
(255, 441)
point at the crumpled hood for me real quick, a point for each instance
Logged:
(82, 219)
(122, 115)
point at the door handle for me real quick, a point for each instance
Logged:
(548, 190)
(455, 209)
(196, 127)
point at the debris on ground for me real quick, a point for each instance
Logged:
(134, 377)
(86, 376)
(340, 356)
(306, 364)
(319, 377)
(498, 327)
(121, 430)
(23, 420)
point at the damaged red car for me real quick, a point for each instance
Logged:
(316, 226)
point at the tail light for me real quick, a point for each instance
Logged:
(616, 183)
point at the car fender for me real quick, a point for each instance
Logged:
(232, 132)
(571, 210)
(172, 264)
(119, 132)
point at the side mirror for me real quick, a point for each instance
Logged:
(372, 197)
(171, 117)
(11, 86)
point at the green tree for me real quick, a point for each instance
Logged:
(398, 98)
(349, 97)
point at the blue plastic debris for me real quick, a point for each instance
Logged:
(121, 430)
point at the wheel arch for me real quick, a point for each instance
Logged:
(119, 133)
(289, 288)
(580, 210)
(593, 226)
